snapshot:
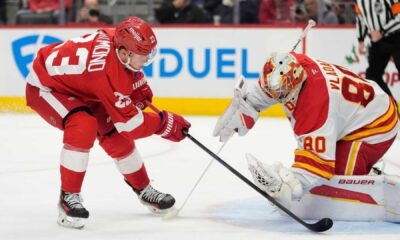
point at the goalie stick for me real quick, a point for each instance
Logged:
(311, 24)
(320, 226)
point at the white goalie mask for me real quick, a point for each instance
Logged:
(282, 77)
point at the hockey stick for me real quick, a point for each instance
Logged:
(311, 24)
(173, 213)
(320, 226)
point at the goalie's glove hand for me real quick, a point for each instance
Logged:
(172, 126)
(239, 117)
(276, 180)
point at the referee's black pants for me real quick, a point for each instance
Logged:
(379, 56)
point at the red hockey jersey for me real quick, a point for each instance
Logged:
(88, 68)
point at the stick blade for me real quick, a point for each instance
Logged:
(321, 226)
(170, 214)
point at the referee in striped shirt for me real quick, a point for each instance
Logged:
(380, 20)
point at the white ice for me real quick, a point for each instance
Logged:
(222, 207)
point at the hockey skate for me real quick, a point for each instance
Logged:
(71, 211)
(157, 202)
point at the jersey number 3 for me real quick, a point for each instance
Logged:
(75, 63)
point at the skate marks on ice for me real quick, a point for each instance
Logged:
(257, 213)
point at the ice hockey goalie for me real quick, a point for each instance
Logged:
(343, 125)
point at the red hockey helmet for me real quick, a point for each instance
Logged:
(136, 36)
(282, 77)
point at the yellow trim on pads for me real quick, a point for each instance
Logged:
(351, 161)
(185, 106)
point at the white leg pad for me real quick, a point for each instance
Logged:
(392, 198)
(352, 198)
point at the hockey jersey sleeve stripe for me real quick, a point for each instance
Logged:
(314, 157)
(382, 127)
(312, 163)
(54, 103)
(312, 169)
(382, 118)
(33, 80)
(131, 124)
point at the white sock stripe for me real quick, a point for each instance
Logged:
(74, 160)
(129, 164)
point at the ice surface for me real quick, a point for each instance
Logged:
(222, 207)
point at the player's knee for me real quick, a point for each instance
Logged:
(80, 130)
(116, 146)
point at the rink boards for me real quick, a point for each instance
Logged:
(196, 67)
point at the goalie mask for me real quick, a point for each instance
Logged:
(137, 37)
(282, 77)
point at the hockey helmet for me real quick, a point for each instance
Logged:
(137, 37)
(282, 77)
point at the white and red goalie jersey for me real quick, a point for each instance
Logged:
(335, 112)
(88, 68)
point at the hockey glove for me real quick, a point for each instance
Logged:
(276, 180)
(141, 95)
(239, 117)
(172, 125)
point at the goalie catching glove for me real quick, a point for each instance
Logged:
(239, 117)
(276, 180)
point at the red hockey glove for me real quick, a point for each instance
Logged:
(172, 125)
(141, 95)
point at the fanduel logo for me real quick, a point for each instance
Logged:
(173, 62)
(24, 50)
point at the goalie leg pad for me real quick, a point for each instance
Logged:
(392, 198)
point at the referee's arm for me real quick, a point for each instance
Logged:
(360, 26)
(393, 24)
(361, 30)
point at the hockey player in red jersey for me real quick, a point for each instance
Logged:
(92, 87)
(343, 125)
